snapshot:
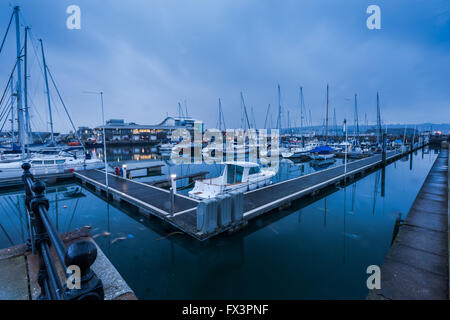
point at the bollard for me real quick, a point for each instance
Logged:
(82, 254)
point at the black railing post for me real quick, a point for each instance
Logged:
(43, 234)
(27, 175)
(41, 240)
(82, 254)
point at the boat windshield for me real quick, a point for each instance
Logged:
(254, 170)
(234, 174)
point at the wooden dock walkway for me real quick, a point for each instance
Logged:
(156, 201)
(417, 265)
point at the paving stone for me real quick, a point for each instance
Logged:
(13, 279)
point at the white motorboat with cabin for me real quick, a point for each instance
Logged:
(48, 164)
(237, 176)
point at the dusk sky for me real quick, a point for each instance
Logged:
(146, 56)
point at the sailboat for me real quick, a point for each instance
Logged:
(324, 152)
(299, 152)
(43, 160)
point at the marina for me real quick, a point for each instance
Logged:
(218, 164)
(183, 213)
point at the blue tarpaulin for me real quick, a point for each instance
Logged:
(322, 149)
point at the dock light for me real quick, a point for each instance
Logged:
(124, 170)
(173, 176)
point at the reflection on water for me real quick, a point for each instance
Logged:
(318, 248)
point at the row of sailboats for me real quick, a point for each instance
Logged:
(47, 157)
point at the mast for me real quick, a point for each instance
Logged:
(12, 111)
(221, 120)
(180, 111)
(335, 123)
(267, 116)
(378, 119)
(301, 116)
(356, 120)
(245, 111)
(52, 137)
(326, 119)
(19, 84)
(25, 88)
(279, 110)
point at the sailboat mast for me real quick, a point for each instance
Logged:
(19, 84)
(356, 120)
(267, 117)
(326, 119)
(52, 137)
(378, 119)
(25, 88)
(279, 110)
(245, 111)
(12, 111)
(301, 117)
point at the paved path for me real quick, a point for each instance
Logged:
(417, 264)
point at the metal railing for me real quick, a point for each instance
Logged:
(79, 281)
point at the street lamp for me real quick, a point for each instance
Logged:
(173, 176)
(124, 171)
(104, 136)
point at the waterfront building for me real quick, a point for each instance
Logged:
(120, 132)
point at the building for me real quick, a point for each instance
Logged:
(120, 132)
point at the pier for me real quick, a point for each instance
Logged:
(417, 265)
(203, 220)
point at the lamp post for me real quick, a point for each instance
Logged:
(104, 137)
(173, 190)
(173, 182)
(124, 171)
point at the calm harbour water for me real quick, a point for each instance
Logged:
(316, 250)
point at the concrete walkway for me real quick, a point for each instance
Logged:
(19, 269)
(416, 266)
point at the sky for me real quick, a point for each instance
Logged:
(148, 55)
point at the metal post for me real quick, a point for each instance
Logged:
(383, 153)
(173, 182)
(104, 144)
(172, 202)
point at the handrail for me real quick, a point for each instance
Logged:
(81, 285)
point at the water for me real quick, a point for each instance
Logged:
(316, 250)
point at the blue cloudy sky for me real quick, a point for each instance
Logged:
(147, 55)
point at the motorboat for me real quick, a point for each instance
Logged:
(48, 164)
(236, 176)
